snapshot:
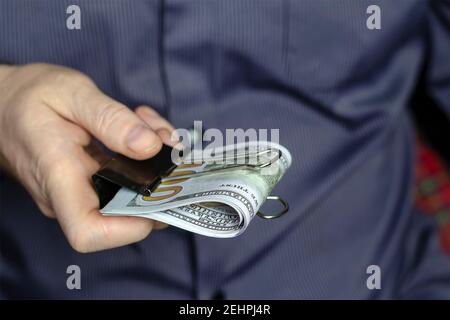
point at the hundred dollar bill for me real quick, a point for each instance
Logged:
(212, 198)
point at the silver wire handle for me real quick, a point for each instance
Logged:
(230, 167)
(276, 214)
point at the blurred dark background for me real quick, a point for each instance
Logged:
(431, 121)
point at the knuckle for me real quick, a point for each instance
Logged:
(80, 242)
(90, 238)
(61, 75)
(145, 233)
(50, 81)
(144, 230)
(49, 172)
(150, 112)
(28, 118)
(104, 231)
(108, 116)
(46, 211)
(82, 237)
(32, 94)
(72, 77)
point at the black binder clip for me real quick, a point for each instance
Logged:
(142, 176)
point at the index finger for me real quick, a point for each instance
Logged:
(76, 205)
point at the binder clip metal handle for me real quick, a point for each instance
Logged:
(257, 165)
(276, 214)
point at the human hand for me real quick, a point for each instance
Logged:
(49, 116)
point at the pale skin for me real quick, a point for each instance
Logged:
(49, 116)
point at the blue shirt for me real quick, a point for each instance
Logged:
(338, 92)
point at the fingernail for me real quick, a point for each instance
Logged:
(170, 138)
(164, 134)
(149, 112)
(141, 139)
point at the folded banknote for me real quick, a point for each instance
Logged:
(214, 197)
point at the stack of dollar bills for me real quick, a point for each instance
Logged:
(214, 197)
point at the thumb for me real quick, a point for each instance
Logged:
(111, 122)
